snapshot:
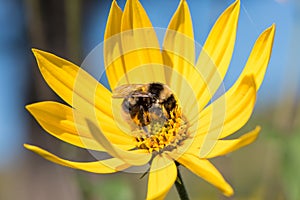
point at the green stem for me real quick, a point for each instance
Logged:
(180, 186)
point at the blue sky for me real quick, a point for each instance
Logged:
(13, 78)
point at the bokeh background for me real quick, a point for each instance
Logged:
(267, 169)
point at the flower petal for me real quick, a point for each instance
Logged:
(140, 45)
(207, 171)
(217, 51)
(135, 158)
(178, 43)
(79, 89)
(163, 173)
(259, 58)
(113, 46)
(182, 21)
(178, 47)
(223, 147)
(134, 16)
(103, 167)
(186, 91)
(229, 112)
(179, 57)
(58, 120)
(72, 83)
(113, 25)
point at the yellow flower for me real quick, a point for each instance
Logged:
(158, 113)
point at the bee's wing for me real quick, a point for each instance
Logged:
(124, 90)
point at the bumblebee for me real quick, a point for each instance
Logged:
(146, 104)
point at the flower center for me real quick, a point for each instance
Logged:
(154, 115)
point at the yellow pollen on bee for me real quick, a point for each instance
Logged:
(163, 137)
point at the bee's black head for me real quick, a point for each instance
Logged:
(155, 89)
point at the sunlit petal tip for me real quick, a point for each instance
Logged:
(181, 20)
(34, 50)
(32, 107)
(237, 3)
(271, 30)
(255, 133)
(114, 5)
(234, 10)
(235, 6)
(227, 190)
(45, 58)
(273, 26)
(134, 16)
(249, 138)
(28, 107)
(38, 52)
(27, 146)
(34, 149)
(258, 128)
